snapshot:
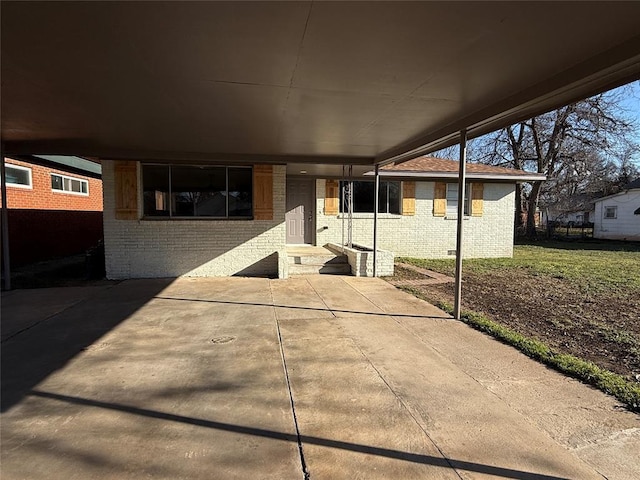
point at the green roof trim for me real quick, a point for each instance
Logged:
(73, 162)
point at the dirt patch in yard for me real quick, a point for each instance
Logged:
(602, 327)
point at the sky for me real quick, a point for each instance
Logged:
(631, 103)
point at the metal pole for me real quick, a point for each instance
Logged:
(461, 199)
(350, 219)
(5, 224)
(342, 195)
(375, 221)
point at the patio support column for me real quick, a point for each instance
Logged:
(342, 203)
(5, 224)
(460, 220)
(375, 220)
(350, 218)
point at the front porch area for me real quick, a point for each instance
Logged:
(334, 259)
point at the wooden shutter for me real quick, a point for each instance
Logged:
(126, 190)
(477, 196)
(408, 198)
(440, 199)
(263, 192)
(331, 197)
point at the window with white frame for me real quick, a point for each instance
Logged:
(610, 212)
(452, 199)
(75, 186)
(18, 176)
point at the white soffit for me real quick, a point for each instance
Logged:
(305, 82)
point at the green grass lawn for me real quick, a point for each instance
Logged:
(589, 265)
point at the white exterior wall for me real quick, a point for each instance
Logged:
(174, 248)
(626, 226)
(426, 236)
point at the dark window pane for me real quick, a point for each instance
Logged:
(382, 197)
(17, 176)
(240, 192)
(363, 197)
(76, 186)
(394, 197)
(199, 191)
(56, 182)
(155, 185)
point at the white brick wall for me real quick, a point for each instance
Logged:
(173, 248)
(426, 236)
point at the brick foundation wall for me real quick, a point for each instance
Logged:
(426, 236)
(173, 248)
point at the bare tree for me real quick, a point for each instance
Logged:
(559, 143)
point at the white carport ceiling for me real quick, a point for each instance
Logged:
(318, 82)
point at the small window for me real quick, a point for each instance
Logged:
(452, 199)
(364, 197)
(62, 183)
(18, 176)
(610, 212)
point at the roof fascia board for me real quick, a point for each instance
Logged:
(233, 158)
(615, 67)
(454, 175)
(623, 192)
(70, 148)
(55, 165)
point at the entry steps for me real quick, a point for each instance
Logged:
(309, 260)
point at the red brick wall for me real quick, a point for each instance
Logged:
(44, 224)
(42, 197)
(36, 235)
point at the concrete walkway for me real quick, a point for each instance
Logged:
(338, 377)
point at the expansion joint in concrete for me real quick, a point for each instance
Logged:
(408, 410)
(303, 463)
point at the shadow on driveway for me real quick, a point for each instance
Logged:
(50, 343)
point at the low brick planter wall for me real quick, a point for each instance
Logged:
(361, 260)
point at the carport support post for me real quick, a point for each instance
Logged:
(375, 220)
(461, 185)
(5, 224)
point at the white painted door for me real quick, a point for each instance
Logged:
(299, 216)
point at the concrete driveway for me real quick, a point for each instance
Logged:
(330, 377)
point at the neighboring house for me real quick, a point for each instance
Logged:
(54, 206)
(575, 209)
(617, 217)
(576, 218)
(211, 220)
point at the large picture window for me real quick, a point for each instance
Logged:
(364, 197)
(197, 191)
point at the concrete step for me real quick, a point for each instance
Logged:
(317, 259)
(325, 269)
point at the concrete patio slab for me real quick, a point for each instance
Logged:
(25, 308)
(255, 378)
